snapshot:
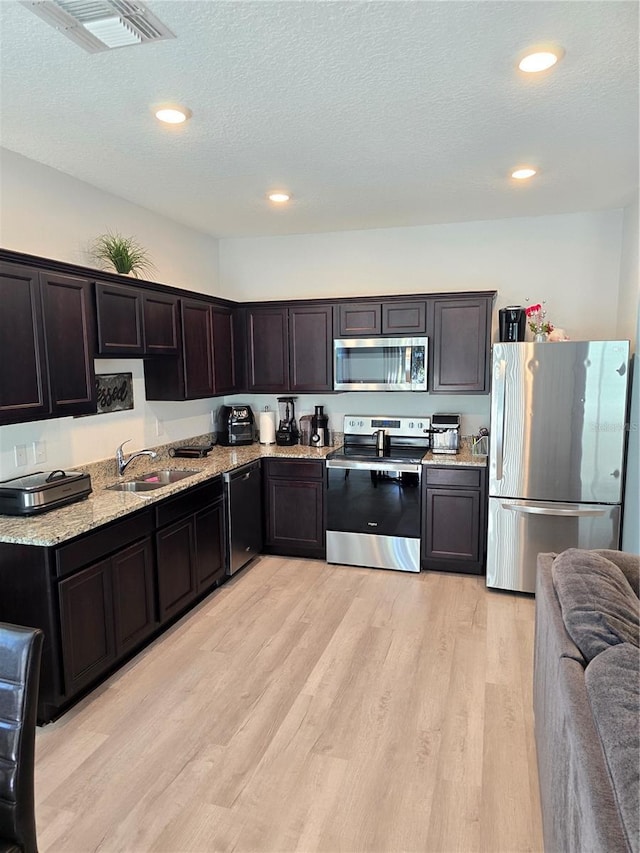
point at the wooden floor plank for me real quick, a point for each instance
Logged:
(307, 707)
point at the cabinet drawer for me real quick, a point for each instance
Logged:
(102, 542)
(299, 469)
(188, 502)
(468, 478)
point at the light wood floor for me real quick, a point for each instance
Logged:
(307, 707)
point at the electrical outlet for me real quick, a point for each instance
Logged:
(39, 452)
(20, 453)
(159, 427)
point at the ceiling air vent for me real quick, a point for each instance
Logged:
(98, 25)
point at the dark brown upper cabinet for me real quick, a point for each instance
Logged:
(69, 337)
(160, 315)
(311, 348)
(392, 318)
(404, 318)
(205, 366)
(24, 393)
(224, 367)
(46, 330)
(268, 349)
(136, 321)
(290, 349)
(358, 319)
(120, 318)
(460, 338)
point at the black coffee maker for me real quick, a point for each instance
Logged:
(235, 426)
(319, 428)
(512, 322)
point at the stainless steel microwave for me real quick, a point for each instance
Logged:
(380, 364)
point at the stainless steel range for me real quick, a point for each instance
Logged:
(373, 492)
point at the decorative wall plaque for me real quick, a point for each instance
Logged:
(115, 392)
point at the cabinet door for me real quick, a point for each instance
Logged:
(68, 323)
(311, 348)
(197, 349)
(359, 319)
(210, 546)
(404, 318)
(295, 517)
(460, 346)
(175, 554)
(86, 616)
(223, 351)
(24, 389)
(119, 312)
(160, 323)
(133, 595)
(452, 539)
(268, 349)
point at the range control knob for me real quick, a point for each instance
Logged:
(411, 424)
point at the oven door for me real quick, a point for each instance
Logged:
(373, 515)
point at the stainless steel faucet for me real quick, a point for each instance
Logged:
(122, 462)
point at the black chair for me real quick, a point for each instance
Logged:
(20, 651)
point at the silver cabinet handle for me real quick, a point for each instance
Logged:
(500, 395)
(552, 510)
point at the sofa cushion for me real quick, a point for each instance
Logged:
(613, 687)
(629, 565)
(599, 608)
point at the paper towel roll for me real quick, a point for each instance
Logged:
(267, 427)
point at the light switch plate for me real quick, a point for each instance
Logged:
(39, 452)
(20, 453)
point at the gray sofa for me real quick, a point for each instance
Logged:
(586, 696)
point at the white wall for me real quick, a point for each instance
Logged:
(45, 212)
(629, 327)
(571, 261)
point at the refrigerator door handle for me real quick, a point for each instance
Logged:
(551, 509)
(500, 389)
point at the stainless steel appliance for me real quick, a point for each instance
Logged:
(35, 493)
(243, 512)
(235, 425)
(380, 364)
(373, 492)
(287, 432)
(556, 453)
(445, 434)
(319, 428)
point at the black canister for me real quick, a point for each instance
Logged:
(513, 323)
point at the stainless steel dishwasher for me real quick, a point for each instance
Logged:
(243, 509)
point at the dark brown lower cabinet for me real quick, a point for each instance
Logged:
(176, 554)
(454, 519)
(106, 610)
(294, 504)
(86, 618)
(190, 549)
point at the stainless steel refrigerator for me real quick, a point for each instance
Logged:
(556, 454)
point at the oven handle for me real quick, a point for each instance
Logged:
(371, 465)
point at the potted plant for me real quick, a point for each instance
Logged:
(124, 254)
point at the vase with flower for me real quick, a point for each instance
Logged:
(540, 327)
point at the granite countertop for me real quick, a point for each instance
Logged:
(103, 505)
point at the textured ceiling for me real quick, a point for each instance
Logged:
(372, 114)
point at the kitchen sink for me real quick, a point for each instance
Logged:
(153, 480)
(164, 477)
(134, 486)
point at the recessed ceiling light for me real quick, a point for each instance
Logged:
(523, 174)
(173, 115)
(279, 197)
(540, 60)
